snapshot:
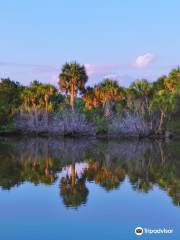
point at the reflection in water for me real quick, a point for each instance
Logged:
(107, 163)
(73, 188)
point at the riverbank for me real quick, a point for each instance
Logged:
(16, 133)
(77, 125)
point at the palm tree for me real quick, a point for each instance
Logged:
(164, 101)
(90, 99)
(107, 92)
(72, 79)
(141, 92)
(38, 94)
(47, 90)
(30, 95)
(172, 82)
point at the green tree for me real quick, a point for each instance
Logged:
(166, 96)
(72, 79)
(164, 102)
(10, 99)
(172, 82)
(139, 95)
(30, 95)
(46, 91)
(37, 95)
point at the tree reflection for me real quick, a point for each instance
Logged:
(73, 189)
(106, 177)
(40, 161)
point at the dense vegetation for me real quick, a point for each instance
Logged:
(142, 109)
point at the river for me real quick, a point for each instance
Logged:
(88, 188)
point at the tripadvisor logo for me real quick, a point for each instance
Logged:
(139, 231)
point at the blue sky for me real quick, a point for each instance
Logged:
(121, 39)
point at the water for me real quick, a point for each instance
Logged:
(88, 189)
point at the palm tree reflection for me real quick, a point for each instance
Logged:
(73, 188)
(106, 177)
(41, 161)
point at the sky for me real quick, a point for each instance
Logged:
(119, 39)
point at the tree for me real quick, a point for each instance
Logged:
(163, 101)
(30, 95)
(9, 98)
(46, 91)
(172, 82)
(139, 95)
(90, 99)
(107, 92)
(166, 92)
(38, 95)
(72, 79)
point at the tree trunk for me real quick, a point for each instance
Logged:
(46, 99)
(161, 122)
(35, 113)
(108, 110)
(72, 95)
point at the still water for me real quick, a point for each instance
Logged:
(88, 189)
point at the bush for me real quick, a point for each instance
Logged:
(130, 125)
(62, 123)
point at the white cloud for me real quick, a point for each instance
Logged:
(144, 60)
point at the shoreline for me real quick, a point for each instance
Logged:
(16, 133)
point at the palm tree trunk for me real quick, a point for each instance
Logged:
(72, 94)
(35, 112)
(46, 99)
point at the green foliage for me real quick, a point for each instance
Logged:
(79, 104)
(102, 124)
(39, 95)
(164, 101)
(9, 99)
(173, 125)
(96, 116)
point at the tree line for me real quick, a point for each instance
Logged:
(106, 105)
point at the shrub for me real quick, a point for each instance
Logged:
(62, 123)
(130, 125)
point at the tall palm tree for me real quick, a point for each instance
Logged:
(72, 79)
